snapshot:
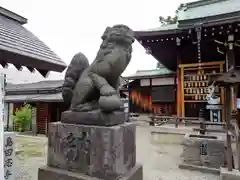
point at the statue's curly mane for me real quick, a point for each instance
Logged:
(118, 35)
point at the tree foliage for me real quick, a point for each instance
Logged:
(159, 65)
(170, 19)
(23, 117)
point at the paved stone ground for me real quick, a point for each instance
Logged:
(159, 155)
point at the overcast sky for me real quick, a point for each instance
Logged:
(72, 26)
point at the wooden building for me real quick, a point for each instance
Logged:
(152, 91)
(44, 96)
(204, 42)
(20, 47)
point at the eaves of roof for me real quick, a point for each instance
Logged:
(205, 13)
(18, 46)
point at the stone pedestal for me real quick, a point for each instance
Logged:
(229, 175)
(203, 150)
(94, 117)
(79, 152)
(47, 172)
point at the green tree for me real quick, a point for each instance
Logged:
(23, 117)
(170, 19)
(159, 65)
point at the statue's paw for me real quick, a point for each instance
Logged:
(110, 103)
(107, 91)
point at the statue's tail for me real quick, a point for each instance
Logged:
(76, 67)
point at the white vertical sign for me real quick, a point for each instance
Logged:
(2, 90)
(9, 155)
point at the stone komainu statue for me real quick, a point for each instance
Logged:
(90, 87)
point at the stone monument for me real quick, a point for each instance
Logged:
(203, 152)
(93, 141)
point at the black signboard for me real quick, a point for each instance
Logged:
(163, 93)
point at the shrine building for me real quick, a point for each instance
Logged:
(152, 91)
(205, 41)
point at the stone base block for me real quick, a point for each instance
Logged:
(103, 152)
(45, 173)
(202, 169)
(95, 117)
(203, 150)
(229, 175)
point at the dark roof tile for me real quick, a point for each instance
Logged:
(48, 84)
(34, 98)
(206, 8)
(151, 73)
(16, 39)
(37, 85)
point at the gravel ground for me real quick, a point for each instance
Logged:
(31, 156)
(159, 155)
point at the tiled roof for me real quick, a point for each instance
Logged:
(16, 39)
(198, 10)
(151, 73)
(164, 27)
(205, 8)
(37, 85)
(46, 85)
(34, 98)
(161, 30)
(25, 76)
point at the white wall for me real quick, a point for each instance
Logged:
(10, 109)
(163, 81)
(5, 114)
(158, 81)
(145, 82)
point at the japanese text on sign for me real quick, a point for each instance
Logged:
(8, 158)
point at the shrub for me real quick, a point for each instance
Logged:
(23, 117)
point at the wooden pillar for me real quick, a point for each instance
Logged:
(234, 91)
(222, 94)
(230, 64)
(179, 112)
(49, 117)
(179, 79)
(42, 117)
(150, 97)
(230, 56)
(58, 112)
(182, 94)
(129, 98)
(228, 105)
